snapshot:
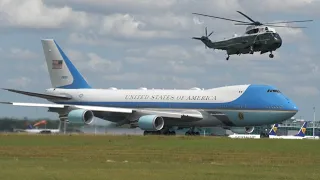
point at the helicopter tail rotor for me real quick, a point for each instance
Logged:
(205, 37)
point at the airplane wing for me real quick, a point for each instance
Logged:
(40, 95)
(188, 116)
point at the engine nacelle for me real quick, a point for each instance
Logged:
(81, 116)
(151, 123)
(242, 130)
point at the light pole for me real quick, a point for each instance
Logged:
(95, 126)
(314, 120)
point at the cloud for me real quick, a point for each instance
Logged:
(19, 82)
(93, 62)
(304, 91)
(151, 80)
(23, 54)
(287, 6)
(126, 26)
(36, 14)
(131, 44)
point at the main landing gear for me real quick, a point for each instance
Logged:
(161, 132)
(228, 57)
(191, 132)
(271, 55)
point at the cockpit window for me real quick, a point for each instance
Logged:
(252, 31)
(273, 90)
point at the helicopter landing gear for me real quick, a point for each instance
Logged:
(227, 57)
(251, 50)
(271, 55)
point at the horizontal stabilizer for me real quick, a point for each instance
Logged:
(40, 95)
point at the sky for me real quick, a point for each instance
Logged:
(147, 43)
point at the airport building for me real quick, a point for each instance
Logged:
(292, 126)
(288, 127)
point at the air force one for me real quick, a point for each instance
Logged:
(156, 111)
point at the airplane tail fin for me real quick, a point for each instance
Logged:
(30, 126)
(63, 73)
(302, 131)
(273, 130)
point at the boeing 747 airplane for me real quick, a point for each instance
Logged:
(156, 111)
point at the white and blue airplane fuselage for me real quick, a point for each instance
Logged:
(238, 107)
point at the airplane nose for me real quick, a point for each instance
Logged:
(293, 107)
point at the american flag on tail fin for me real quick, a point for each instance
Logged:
(56, 64)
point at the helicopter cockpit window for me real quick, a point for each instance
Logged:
(252, 31)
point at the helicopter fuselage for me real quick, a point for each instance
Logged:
(247, 44)
(256, 39)
(259, 37)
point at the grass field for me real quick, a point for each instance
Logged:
(78, 157)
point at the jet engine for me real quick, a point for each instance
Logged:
(151, 123)
(242, 130)
(81, 116)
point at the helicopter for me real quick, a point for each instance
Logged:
(258, 37)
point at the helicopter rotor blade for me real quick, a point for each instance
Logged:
(283, 22)
(286, 26)
(271, 25)
(243, 24)
(247, 17)
(197, 38)
(206, 32)
(210, 34)
(220, 18)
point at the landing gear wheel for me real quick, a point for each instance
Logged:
(227, 58)
(172, 133)
(271, 55)
(192, 133)
(264, 135)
